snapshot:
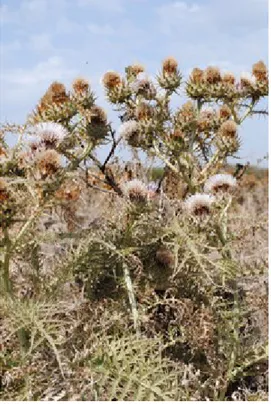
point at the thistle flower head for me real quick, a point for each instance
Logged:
(135, 190)
(224, 112)
(247, 80)
(50, 134)
(199, 204)
(165, 257)
(56, 94)
(220, 183)
(186, 112)
(228, 78)
(111, 80)
(228, 129)
(48, 162)
(170, 66)
(128, 129)
(98, 115)
(144, 111)
(81, 85)
(135, 69)
(69, 191)
(212, 75)
(259, 70)
(197, 75)
(3, 190)
(144, 86)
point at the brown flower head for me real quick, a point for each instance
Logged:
(228, 78)
(186, 112)
(135, 190)
(80, 86)
(135, 69)
(111, 80)
(98, 115)
(48, 162)
(69, 191)
(144, 111)
(212, 75)
(165, 257)
(199, 204)
(224, 112)
(259, 70)
(170, 66)
(228, 129)
(3, 190)
(56, 94)
(197, 75)
(177, 134)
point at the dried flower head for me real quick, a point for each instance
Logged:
(81, 85)
(212, 75)
(247, 80)
(228, 78)
(228, 129)
(111, 80)
(177, 134)
(3, 190)
(56, 94)
(144, 111)
(135, 69)
(144, 86)
(197, 75)
(69, 191)
(135, 190)
(98, 115)
(259, 70)
(165, 257)
(186, 112)
(50, 134)
(128, 129)
(48, 162)
(199, 204)
(170, 66)
(220, 183)
(224, 112)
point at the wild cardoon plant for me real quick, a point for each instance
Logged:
(112, 236)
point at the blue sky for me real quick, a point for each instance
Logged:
(47, 40)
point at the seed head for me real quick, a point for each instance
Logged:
(220, 183)
(228, 129)
(135, 69)
(259, 70)
(111, 80)
(144, 111)
(128, 129)
(199, 204)
(98, 115)
(50, 134)
(3, 190)
(135, 190)
(197, 75)
(48, 162)
(165, 257)
(228, 78)
(224, 112)
(247, 80)
(170, 66)
(212, 75)
(81, 85)
(144, 86)
(69, 191)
